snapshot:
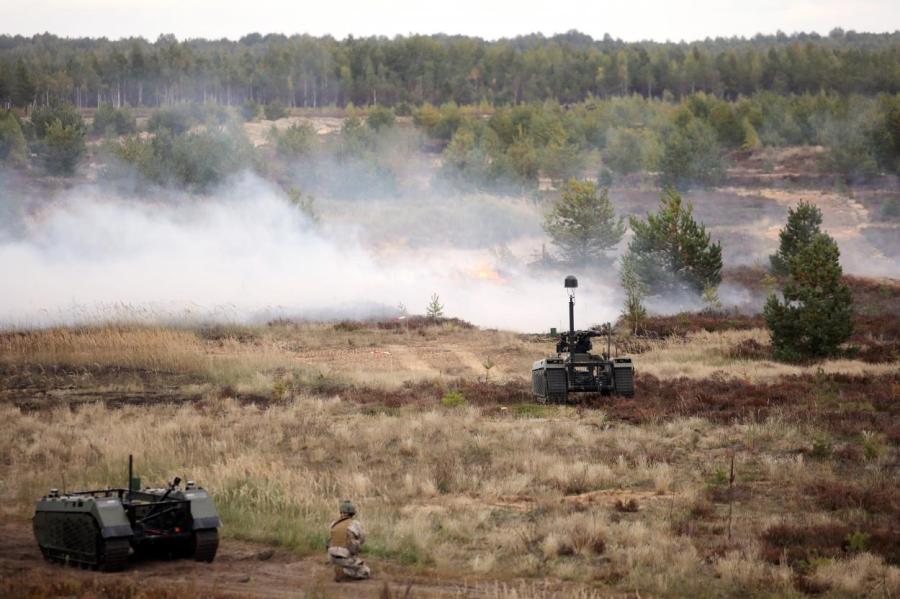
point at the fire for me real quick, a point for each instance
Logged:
(487, 273)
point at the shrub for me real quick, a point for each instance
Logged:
(690, 154)
(850, 152)
(623, 151)
(62, 148)
(171, 120)
(454, 399)
(275, 110)
(113, 121)
(195, 161)
(250, 110)
(306, 205)
(890, 210)
(296, 140)
(43, 117)
(380, 117)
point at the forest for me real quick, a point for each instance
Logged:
(305, 71)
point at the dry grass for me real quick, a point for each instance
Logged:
(146, 348)
(447, 490)
(703, 355)
(496, 489)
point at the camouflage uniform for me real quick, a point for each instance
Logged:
(347, 536)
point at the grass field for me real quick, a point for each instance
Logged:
(727, 475)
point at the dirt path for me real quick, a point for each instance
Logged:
(240, 569)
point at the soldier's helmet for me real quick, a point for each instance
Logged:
(347, 507)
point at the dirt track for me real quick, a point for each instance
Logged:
(241, 569)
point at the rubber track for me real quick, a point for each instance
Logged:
(207, 545)
(114, 554)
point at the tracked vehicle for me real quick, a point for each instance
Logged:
(99, 529)
(575, 369)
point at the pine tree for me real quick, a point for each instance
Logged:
(816, 315)
(62, 148)
(582, 223)
(802, 226)
(671, 250)
(435, 309)
(23, 90)
(13, 149)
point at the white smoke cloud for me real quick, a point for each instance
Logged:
(246, 254)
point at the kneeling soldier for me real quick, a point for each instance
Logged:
(347, 537)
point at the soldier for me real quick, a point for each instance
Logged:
(347, 537)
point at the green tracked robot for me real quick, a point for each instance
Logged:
(574, 369)
(98, 529)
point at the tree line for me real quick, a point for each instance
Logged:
(404, 71)
(683, 144)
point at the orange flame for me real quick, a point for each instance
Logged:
(486, 273)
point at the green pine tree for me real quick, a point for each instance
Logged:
(671, 250)
(435, 309)
(582, 223)
(62, 148)
(13, 149)
(802, 226)
(816, 315)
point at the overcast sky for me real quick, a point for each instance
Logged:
(629, 20)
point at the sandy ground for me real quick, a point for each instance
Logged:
(240, 569)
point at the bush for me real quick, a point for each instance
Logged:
(690, 153)
(623, 152)
(884, 133)
(403, 109)
(250, 110)
(275, 110)
(850, 151)
(43, 117)
(171, 120)
(454, 399)
(195, 161)
(890, 210)
(296, 140)
(816, 315)
(306, 205)
(113, 121)
(380, 117)
(61, 148)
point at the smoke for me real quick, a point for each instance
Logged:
(245, 253)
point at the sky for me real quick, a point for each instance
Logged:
(634, 20)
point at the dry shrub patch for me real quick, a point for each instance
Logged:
(846, 404)
(800, 545)
(839, 495)
(410, 323)
(684, 323)
(750, 349)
